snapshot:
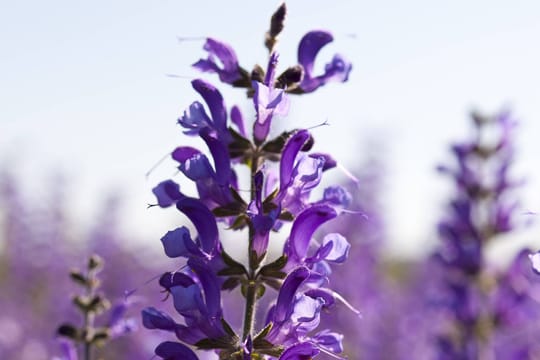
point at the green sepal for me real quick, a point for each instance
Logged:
(266, 347)
(228, 329)
(223, 342)
(230, 284)
(276, 145)
(239, 223)
(69, 331)
(286, 216)
(79, 278)
(101, 336)
(273, 270)
(235, 267)
(240, 147)
(274, 283)
(262, 334)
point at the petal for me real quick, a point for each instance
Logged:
(220, 153)
(230, 72)
(309, 47)
(215, 103)
(300, 351)
(337, 196)
(288, 157)
(337, 70)
(194, 119)
(197, 168)
(306, 313)
(304, 226)
(238, 120)
(340, 248)
(321, 293)
(167, 193)
(204, 222)
(187, 299)
(329, 340)
(184, 153)
(169, 350)
(210, 284)
(174, 242)
(153, 318)
(287, 293)
(170, 279)
(329, 161)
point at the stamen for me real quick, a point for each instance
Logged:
(157, 164)
(190, 38)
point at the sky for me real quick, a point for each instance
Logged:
(86, 91)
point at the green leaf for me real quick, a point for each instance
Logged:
(223, 342)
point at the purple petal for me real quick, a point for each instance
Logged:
(300, 351)
(194, 119)
(337, 70)
(306, 313)
(169, 350)
(268, 102)
(153, 318)
(167, 193)
(287, 292)
(69, 349)
(174, 242)
(288, 157)
(329, 161)
(197, 168)
(337, 196)
(204, 222)
(184, 153)
(170, 279)
(222, 161)
(187, 299)
(271, 70)
(304, 226)
(325, 295)
(329, 340)
(215, 103)
(309, 47)
(210, 285)
(229, 73)
(262, 224)
(238, 120)
(340, 248)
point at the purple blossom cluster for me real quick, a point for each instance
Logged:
(286, 297)
(283, 173)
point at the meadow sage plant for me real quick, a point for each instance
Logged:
(283, 172)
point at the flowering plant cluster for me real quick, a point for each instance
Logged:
(283, 172)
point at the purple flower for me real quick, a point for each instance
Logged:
(337, 70)
(229, 72)
(268, 102)
(195, 118)
(169, 350)
(300, 351)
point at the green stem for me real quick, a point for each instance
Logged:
(249, 314)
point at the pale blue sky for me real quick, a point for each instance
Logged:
(84, 89)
